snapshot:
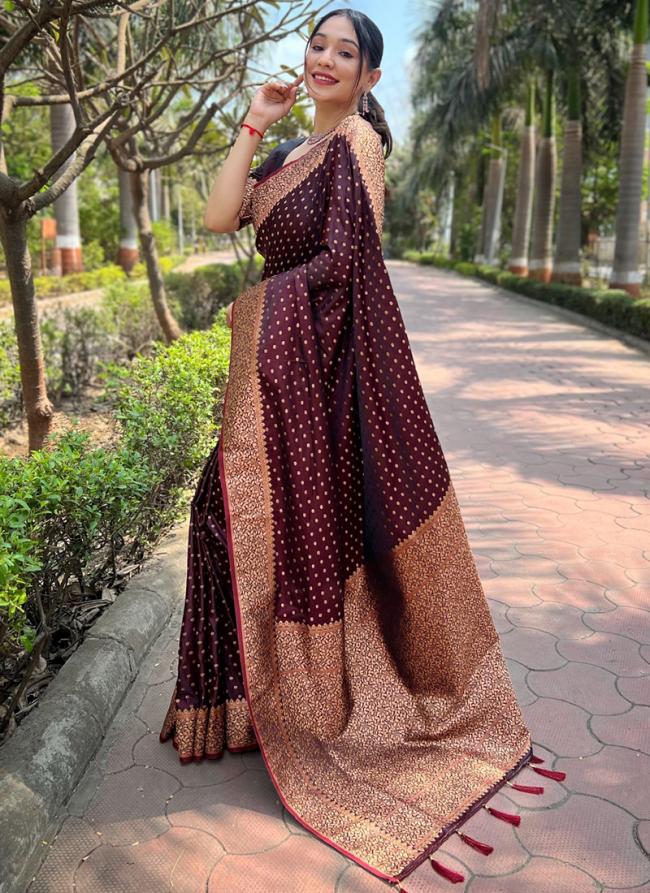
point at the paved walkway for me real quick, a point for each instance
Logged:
(545, 428)
(56, 303)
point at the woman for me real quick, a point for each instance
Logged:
(334, 616)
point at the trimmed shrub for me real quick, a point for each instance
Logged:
(613, 307)
(73, 515)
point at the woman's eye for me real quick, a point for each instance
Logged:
(317, 46)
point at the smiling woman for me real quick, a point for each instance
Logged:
(334, 617)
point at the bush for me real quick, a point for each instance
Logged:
(10, 392)
(72, 515)
(613, 307)
(51, 286)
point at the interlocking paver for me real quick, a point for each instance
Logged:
(180, 860)
(563, 621)
(616, 653)
(627, 730)
(544, 425)
(591, 688)
(630, 622)
(586, 832)
(608, 774)
(540, 874)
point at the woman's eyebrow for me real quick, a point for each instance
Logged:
(342, 39)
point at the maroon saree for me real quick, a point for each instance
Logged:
(334, 616)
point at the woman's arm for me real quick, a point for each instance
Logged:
(271, 102)
(227, 194)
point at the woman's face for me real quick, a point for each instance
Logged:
(333, 50)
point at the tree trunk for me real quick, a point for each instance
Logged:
(494, 202)
(518, 262)
(569, 229)
(541, 261)
(38, 409)
(492, 199)
(67, 257)
(128, 254)
(625, 272)
(139, 186)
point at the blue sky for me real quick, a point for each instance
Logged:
(397, 22)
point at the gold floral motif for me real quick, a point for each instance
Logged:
(199, 732)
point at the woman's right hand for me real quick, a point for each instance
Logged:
(273, 101)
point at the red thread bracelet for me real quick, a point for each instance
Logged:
(252, 129)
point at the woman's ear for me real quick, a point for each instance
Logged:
(373, 77)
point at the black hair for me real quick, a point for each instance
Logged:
(371, 45)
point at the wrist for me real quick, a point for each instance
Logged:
(255, 121)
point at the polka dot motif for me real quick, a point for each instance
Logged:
(209, 668)
(354, 458)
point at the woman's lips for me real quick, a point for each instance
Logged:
(324, 79)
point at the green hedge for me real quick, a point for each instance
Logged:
(51, 286)
(72, 515)
(611, 306)
(78, 341)
(75, 518)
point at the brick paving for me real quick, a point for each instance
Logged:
(545, 428)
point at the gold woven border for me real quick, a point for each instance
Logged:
(364, 141)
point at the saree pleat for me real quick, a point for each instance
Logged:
(333, 560)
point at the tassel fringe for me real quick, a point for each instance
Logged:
(526, 788)
(509, 817)
(550, 773)
(484, 848)
(454, 876)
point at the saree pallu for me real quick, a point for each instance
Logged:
(334, 616)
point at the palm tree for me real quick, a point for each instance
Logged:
(568, 242)
(625, 271)
(518, 262)
(493, 198)
(541, 265)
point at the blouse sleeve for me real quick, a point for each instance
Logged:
(245, 212)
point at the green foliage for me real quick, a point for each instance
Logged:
(199, 295)
(10, 395)
(165, 235)
(72, 514)
(613, 307)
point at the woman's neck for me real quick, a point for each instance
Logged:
(326, 118)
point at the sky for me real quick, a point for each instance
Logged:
(398, 21)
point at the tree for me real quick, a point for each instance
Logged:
(540, 266)
(625, 272)
(83, 46)
(518, 262)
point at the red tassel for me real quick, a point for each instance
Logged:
(505, 816)
(527, 788)
(484, 848)
(454, 876)
(550, 773)
(535, 759)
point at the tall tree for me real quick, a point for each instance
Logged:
(567, 267)
(493, 197)
(625, 272)
(518, 262)
(541, 262)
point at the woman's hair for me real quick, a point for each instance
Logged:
(371, 44)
